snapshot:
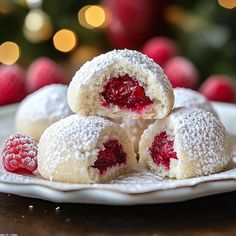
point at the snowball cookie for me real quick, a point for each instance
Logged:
(121, 83)
(81, 149)
(190, 98)
(135, 129)
(188, 143)
(42, 108)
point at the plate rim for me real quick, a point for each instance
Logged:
(89, 196)
(37, 190)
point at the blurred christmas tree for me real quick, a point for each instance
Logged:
(32, 25)
(206, 34)
(204, 30)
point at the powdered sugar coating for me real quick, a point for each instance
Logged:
(89, 81)
(84, 130)
(76, 134)
(200, 140)
(48, 103)
(101, 63)
(190, 98)
(203, 137)
(72, 145)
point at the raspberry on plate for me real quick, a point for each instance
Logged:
(12, 86)
(42, 72)
(19, 154)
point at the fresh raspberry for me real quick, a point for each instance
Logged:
(160, 49)
(19, 154)
(43, 71)
(162, 150)
(12, 84)
(218, 88)
(126, 93)
(182, 73)
(110, 156)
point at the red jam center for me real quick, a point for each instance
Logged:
(126, 93)
(162, 150)
(111, 155)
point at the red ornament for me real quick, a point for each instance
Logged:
(133, 22)
(181, 73)
(160, 49)
(12, 84)
(42, 72)
(218, 88)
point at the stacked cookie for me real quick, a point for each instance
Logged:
(41, 109)
(124, 106)
(88, 147)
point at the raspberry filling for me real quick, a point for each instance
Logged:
(162, 150)
(126, 93)
(111, 155)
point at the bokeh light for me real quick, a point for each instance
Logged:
(38, 26)
(65, 40)
(94, 16)
(9, 53)
(229, 4)
(33, 3)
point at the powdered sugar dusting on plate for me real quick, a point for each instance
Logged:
(135, 183)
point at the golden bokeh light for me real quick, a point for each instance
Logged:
(94, 16)
(229, 4)
(9, 53)
(65, 40)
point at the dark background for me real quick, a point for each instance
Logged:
(204, 30)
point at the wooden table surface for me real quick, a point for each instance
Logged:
(215, 215)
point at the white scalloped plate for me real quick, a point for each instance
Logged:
(137, 188)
